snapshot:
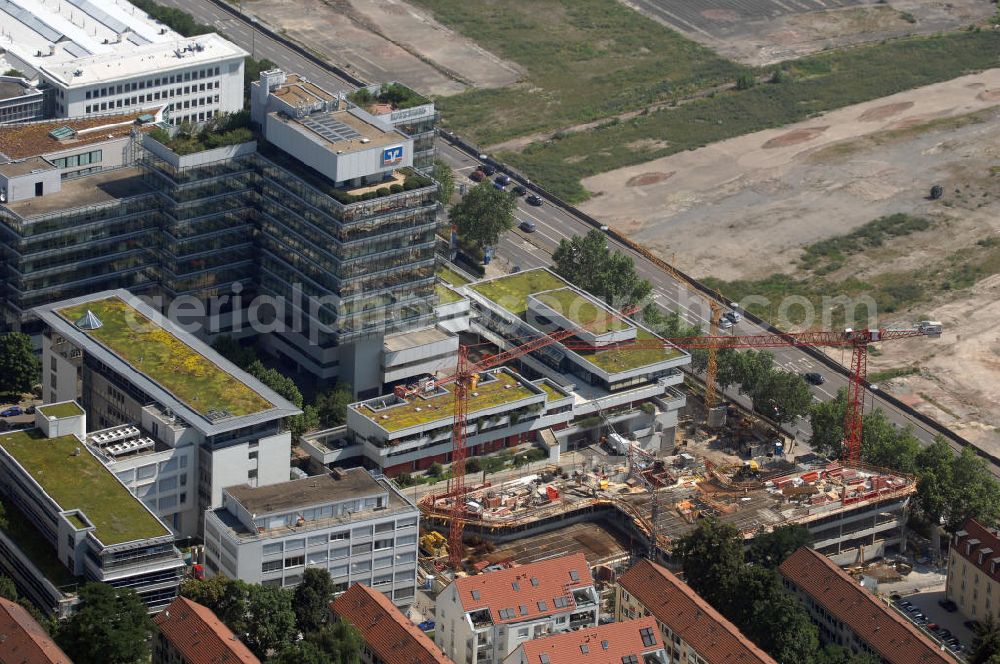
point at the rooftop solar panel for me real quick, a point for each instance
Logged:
(329, 128)
(32, 21)
(100, 15)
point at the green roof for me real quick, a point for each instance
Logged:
(573, 307)
(551, 393)
(65, 409)
(450, 276)
(446, 295)
(403, 416)
(34, 546)
(184, 372)
(80, 481)
(511, 292)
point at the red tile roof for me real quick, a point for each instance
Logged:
(386, 631)
(526, 592)
(200, 637)
(604, 644)
(673, 603)
(974, 542)
(22, 639)
(895, 639)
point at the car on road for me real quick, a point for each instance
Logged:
(519, 190)
(477, 176)
(498, 185)
(725, 323)
(11, 411)
(814, 378)
(533, 200)
(502, 179)
(733, 315)
(948, 605)
(489, 170)
(527, 226)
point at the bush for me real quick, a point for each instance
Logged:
(435, 470)
(473, 465)
(382, 191)
(745, 82)
(175, 19)
(396, 188)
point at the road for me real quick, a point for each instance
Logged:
(553, 224)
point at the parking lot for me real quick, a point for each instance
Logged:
(935, 614)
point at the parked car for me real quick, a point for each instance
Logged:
(948, 605)
(477, 176)
(932, 627)
(725, 323)
(486, 168)
(497, 185)
(11, 411)
(733, 315)
(814, 378)
(533, 200)
(971, 625)
(502, 179)
(527, 226)
(944, 633)
(519, 190)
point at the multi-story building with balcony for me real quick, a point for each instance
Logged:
(358, 526)
(481, 619)
(100, 57)
(974, 571)
(75, 520)
(170, 417)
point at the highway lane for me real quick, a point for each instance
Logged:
(553, 223)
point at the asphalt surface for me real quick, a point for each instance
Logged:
(528, 250)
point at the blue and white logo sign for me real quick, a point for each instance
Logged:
(392, 156)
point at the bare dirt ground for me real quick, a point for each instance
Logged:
(387, 40)
(745, 208)
(761, 32)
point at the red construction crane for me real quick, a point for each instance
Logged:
(857, 340)
(465, 376)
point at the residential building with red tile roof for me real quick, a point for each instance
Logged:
(390, 637)
(630, 642)
(189, 633)
(974, 571)
(691, 628)
(850, 616)
(23, 640)
(483, 618)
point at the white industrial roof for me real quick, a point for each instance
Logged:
(61, 36)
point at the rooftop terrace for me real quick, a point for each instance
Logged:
(568, 303)
(102, 187)
(80, 481)
(446, 295)
(340, 131)
(187, 374)
(511, 293)
(417, 410)
(30, 139)
(58, 410)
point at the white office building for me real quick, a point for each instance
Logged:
(95, 57)
(174, 420)
(358, 526)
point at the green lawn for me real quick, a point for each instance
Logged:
(80, 481)
(551, 393)
(582, 311)
(817, 83)
(66, 409)
(181, 370)
(450, 276)
(626, 359)
(34, 546)
(422, 411)
(446, 295)
(584, 60)
(511, 292)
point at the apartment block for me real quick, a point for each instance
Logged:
(628, 642)
(170, 417)
(692, 630)
(389, 636)
(77, 520)
(974, 571)
(850, 616)
(481, 619)
(358, 526)
(189, 633)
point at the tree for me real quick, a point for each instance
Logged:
(771, 549)
(826, 418)
(340, 641)
(210, 592)
(882, 443)
(712, 558)
(269, 621)
(446, 181)
(331, 406)
(20, 368)
(484, 214)
(301, 652)
(974, 494)
(589, 263)
(251, 72)
(986, 644)
(771, 618)
(286, 387)
(831, 653)
(110, 626)
(17, 73)
(231, 349)
(311, 599)
(781, 395)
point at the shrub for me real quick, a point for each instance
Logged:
(396, 188)
(382, 192)
(745, 82)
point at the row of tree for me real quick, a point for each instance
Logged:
(329, 409)
(20, 368)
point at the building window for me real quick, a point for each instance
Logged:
(295, 561)
(270, 566)
(252, 474)
(252, 455)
